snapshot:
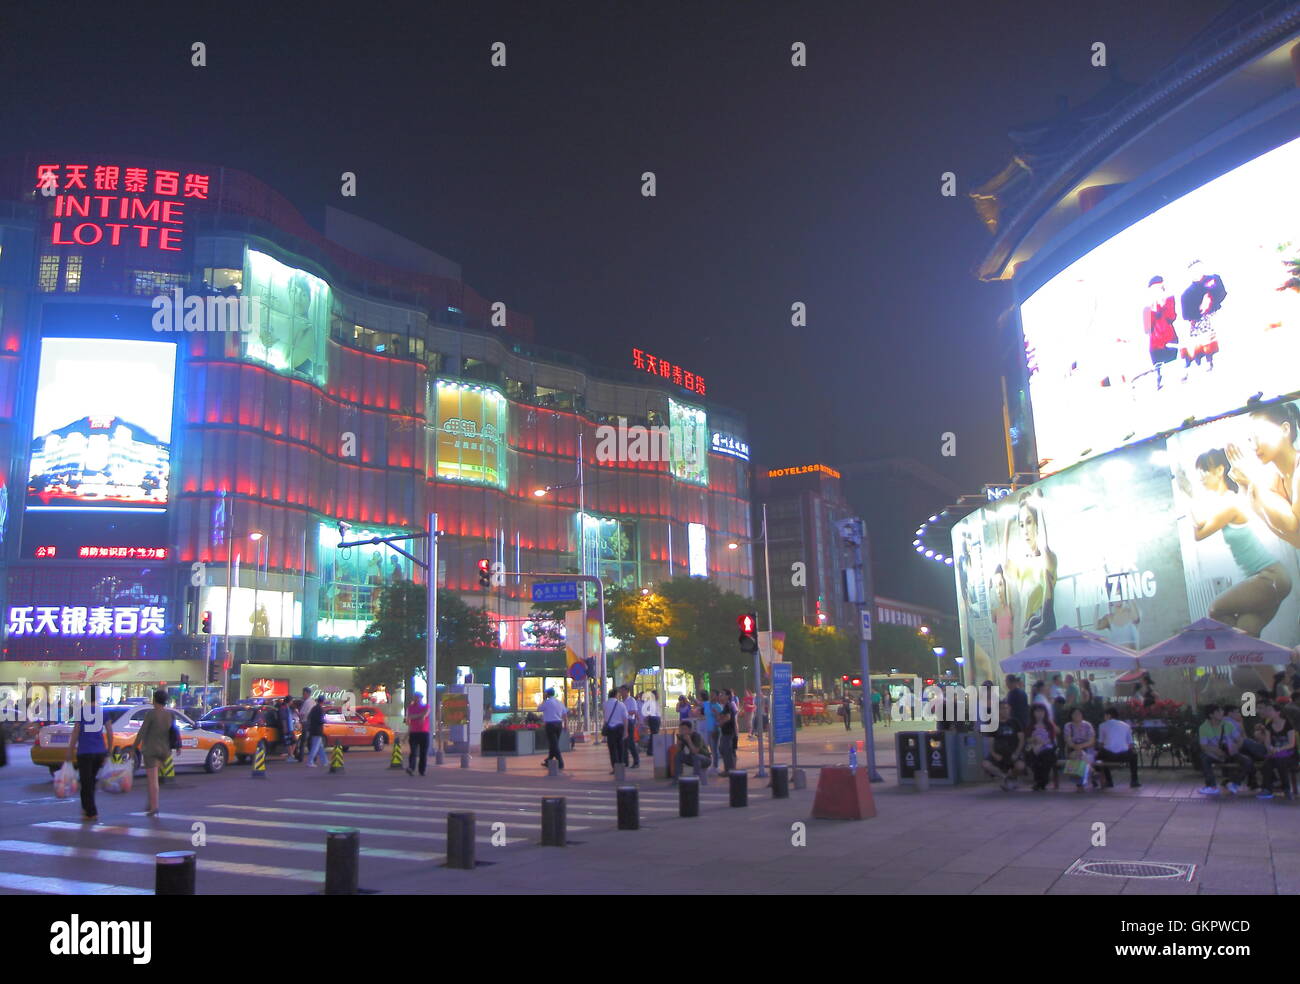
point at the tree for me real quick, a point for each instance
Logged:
(393, 647)
(903, 648)
(821, 649)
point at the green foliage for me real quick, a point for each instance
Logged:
(903, 648)
(824, 650)
(393, 647)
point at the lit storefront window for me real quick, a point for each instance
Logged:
(471, 433)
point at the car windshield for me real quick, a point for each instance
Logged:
(228, 714)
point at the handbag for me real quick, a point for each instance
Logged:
(174, 738)
(1078, 768)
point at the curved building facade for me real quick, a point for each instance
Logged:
(197, 388)
(1151, 239)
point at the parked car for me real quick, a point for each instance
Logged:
(198, 747)
(353, 731)
(248, 726)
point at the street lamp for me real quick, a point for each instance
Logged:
(758, 659)
(663, 672)
(938, 660)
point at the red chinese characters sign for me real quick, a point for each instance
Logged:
(111, 205)
(664, 369)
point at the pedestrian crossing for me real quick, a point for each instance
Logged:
(277, 845)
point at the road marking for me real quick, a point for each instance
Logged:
(531, 803)
(65, 886)
(237, 841)
(342, 813)
(129, 857)
(376, 831)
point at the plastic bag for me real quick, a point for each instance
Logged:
(116, 778)
(65, 781)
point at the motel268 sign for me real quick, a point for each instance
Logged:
(99, 620)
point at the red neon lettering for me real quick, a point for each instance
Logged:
(106, 178)
(99, 234)
(140, 211)
(168, 236)
(71, 206)
(55, 232)
(166, 182)
(144, 233)
(137, 179)
(76, 177)
(196, 186)
(173, 208)
(115, 235)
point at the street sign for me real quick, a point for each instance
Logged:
(455, 709)
(782, 704)
(548, 591)
(866, 624)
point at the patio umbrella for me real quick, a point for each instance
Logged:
(1069, 648)
(1211, 643)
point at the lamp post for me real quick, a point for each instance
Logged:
(758, 659)
(663, 671)
(938, 660)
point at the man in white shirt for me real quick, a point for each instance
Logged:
(303, 712)
(650, 711)
(553, 722)
(1115, 744)
(629, 741)
(615, 727)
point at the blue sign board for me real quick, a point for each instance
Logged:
(547, 591)
(782, 704)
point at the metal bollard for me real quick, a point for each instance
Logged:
(342, 860)
(618, 771)
(780, 782)
(501, 763)
(554, 822)
(460, 840)
(702, 775)
(629, 813)
(174, 873)
(688, 796)
(552, 769)
(739, 782)
(800, 779)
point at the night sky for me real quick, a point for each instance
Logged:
(775, 184)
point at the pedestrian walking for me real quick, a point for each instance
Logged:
(315, 734)
(633, 716)
(92, 737)
(553, 722)
(846, 712)
(650, 711)
(615, 727)
(886, 706)
(286, 716)
(683, 708)
(153, 742)
(709, 726)
(727, 711)
(417, 733)
(875, 706)
(304, 712)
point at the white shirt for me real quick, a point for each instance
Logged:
(615, 713)
(650, 708)
(632, 710)
(1115, 736)
(552, 711)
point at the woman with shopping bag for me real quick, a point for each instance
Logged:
(1080, 749)
(92, 737)
(154, 743)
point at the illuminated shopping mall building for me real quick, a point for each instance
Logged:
(150, 455)
(1150, 238)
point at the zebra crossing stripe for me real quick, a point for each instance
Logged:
(235, 840)
(531, 803)
(343, 813)
(64, 886)
(129, 857)
(369, 831)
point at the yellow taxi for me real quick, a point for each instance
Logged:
(354, 731)
(198, 747)
(248, 726)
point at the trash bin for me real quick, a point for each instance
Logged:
(941, 754)
(972, 749)
(907, 749)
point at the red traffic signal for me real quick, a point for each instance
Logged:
(856, 681)
(205, 624)
(484, 573)
(748, 625)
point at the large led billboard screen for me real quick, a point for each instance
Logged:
(1186, 313)
(1141, 542)
(689, 444)
(102, 427)
(294, 313)
(471, 433)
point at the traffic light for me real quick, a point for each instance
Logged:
(205, 623)
(185, 682)
(214, 671)
(748, 633)
(484, 573)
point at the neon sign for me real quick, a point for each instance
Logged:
(656, 366)
(123, 553)
(726, 444)
(98, 620)
(802, 470)
(146, 207)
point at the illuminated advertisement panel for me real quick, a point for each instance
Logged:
(689, 427)
(102, 428)
(1141, 542)
(697, 543)
(256, 612)
(352, 580)
(471, 433)
(294, 317)
(1186, 313)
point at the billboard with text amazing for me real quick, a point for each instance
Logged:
(1138, 543)
(1186, 313)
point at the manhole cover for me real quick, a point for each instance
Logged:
(1133, 869)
